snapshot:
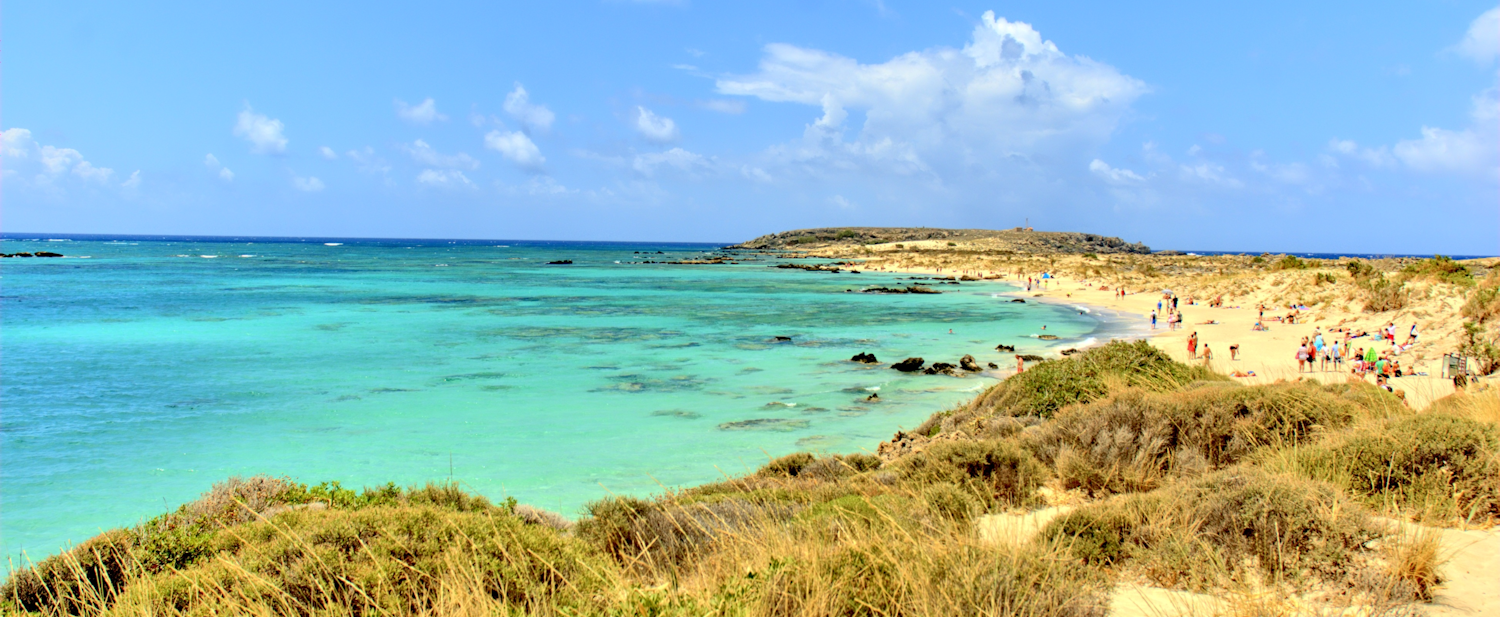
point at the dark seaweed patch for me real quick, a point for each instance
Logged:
(764, 424)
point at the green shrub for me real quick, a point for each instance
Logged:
(1483, 348)
(1323, 277)
(846, 233)
(951, 502)
(1288, 528)
(1360, 271)
(1484, 302)
(1049, 386)
(1258, 259)
(1433, 465)
(1290, 262)
(996, 472)
(787, 466)
(1440, 269)
(1136, 440)
(1385, 294)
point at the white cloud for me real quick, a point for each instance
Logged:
(328, 153)
(421, 113)
(1113, 175)
(1211, 174)
(1006, 100)
(516, 147)
(134, 181)
(1470, 150)
(534, 117)
(755, 173)
(263, 133)
(656, 128)
(46, 165)
(1482, 43)
(1288, 173)
(841, 202)
(1375, 157)
(368, 162)
(310, 184)
(444, 178)
(676, 158)
(724, 106)
(545, 185)
(87, 171)
(212, 162)
(426, 155)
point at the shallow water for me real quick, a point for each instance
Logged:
(134, 379)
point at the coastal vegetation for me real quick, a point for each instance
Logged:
(1140, 471)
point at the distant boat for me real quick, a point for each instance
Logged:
(333, 244)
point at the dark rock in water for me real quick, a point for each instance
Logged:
(911, 289)
(874, 397)
(909, 365)
(677, 413)
(1010, 348)
(1031, 358)
(1047, 337)
(46, 254)
(942, 368)
(866, 358)
(993, 365)
(967, 363)
(1018, 301)
(1068, 352)
(783, 339)
(773, 424)
(561, 262)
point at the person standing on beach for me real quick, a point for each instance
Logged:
(1192, 346)
(1020, 364)
(1153, 319)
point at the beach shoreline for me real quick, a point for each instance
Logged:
(1263, 357)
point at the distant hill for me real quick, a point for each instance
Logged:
(1017, 239)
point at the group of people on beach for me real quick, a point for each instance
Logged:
(1174, 316)
(1317, 354)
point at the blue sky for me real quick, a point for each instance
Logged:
(1289, 126)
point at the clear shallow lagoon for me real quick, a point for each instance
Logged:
(134, 379)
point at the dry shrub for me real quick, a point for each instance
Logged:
(536, 516)
(867, 573)
(1413, 561)
(998, 473)
(1484, 302)
(383, 559)
(664, 537)
(1136, 440)
(237, 500)
(1201, 533)
(1481, 406)
(1385, 294)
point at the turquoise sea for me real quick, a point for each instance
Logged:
(136, 372)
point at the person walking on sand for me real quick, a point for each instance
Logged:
(1208, 354)
(1234, 352)
(1302, 355)
(1153, 320)
(1020, 364)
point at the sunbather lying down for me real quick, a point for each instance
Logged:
(1208, 323)
(1243, 373)
(1259, 327)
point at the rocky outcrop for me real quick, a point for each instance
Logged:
(1005, 348)
(864, 358)
(941, 368)
(1021, 240)
(561, 262)
(909, 365)
(967, 363)
(36, 254)
(911, 289)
